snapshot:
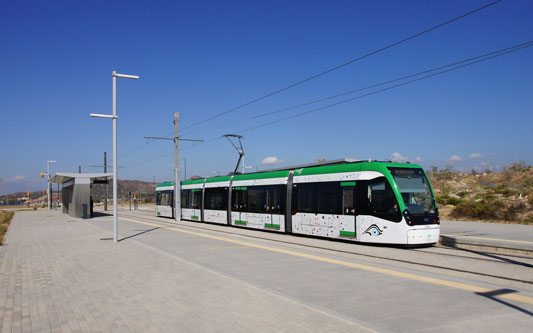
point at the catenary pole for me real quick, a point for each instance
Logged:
(177, 187)
(48, 184)
(177, 184)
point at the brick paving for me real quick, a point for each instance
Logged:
(59, 274)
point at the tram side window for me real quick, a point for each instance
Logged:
(185, 199)
(216, 198)
(197, 199)
(305, 198)
(347, 202)
(323, 198)
(257, 199)
(267, 199)
(375, 197)
(276, 196)
(329, 198)
(164, 198)
(238, 199)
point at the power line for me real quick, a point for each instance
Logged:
(384, 83)
(344, 64)
(384, 89)
(150, 160)
(484, 57)
(372, 86)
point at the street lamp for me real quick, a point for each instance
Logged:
(48, 185)
(114, 117)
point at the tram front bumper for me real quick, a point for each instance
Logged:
(425, 235)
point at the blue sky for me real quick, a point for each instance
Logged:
(203, 58)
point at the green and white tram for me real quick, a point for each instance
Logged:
(371, 202)
(164, 199)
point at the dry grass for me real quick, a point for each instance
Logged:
(5, 218)
(499, 197)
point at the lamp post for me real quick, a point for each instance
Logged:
(115, 117)
(48, 185)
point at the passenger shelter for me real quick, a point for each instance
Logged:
(76, 192)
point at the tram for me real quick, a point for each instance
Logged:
(369, 202)
(164, 199)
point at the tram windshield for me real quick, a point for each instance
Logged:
(415, 190)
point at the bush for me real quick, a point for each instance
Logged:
(5, 218)
(485, 196)
(483, 209)
(504, 190)
(462, 194)
(446, 188)
(526, 187)
(510, 213)
(445, 199)
(517, 166)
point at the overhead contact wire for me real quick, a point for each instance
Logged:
(382, 90)
(344, 64)
(383, 83)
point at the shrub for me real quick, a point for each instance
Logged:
(462, 194)
(483, 209)
(5, 218)
(485, 196)
(526, 186)
(446, 188)
(504, 190)
(445, 199)
(510, 213)
(517, 166)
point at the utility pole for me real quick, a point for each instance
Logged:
(48, 185)
(177, 185)
(185, 163)
(176, 139)
(106, 185)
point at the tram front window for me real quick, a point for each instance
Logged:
(415, 190)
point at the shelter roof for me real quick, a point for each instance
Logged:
(64, 177)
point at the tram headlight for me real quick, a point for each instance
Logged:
(407, 217)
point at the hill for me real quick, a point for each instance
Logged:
(500, 196)
(146, 192)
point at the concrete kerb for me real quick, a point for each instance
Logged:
(485, 245)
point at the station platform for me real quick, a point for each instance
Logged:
(64, 274)
(514, 239)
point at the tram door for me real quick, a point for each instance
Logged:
(348, 208)
(238, 205)
(196, 204)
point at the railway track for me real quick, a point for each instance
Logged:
(433, 255)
